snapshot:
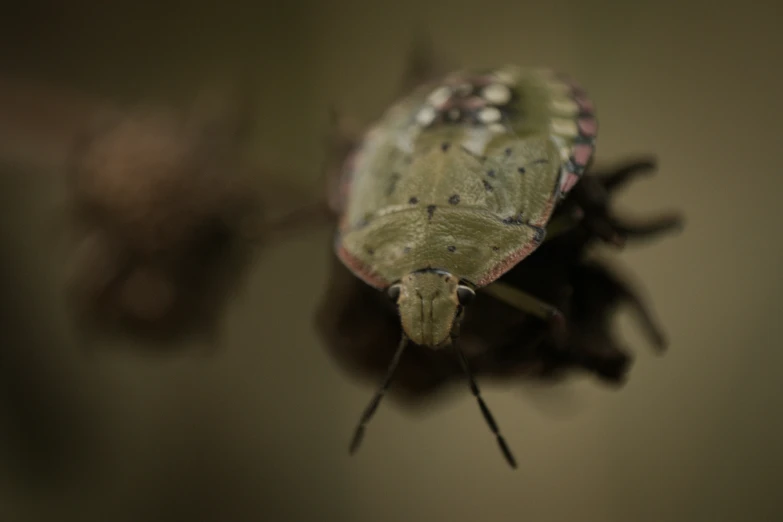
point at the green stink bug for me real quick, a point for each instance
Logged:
(453, 187)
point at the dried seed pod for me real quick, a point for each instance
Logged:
(161, 205)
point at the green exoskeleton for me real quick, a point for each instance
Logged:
(453, 187)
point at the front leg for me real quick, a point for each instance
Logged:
(531, 305)
(591, 294)
(563, 223)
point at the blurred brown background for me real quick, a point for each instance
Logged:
(259, 430)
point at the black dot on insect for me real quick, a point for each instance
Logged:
(454, 200)
(495, 248)
(370, 251)
(431, 210)
(514, 220)
(491, 173)
(487, 186)
(406, 250)
(413, 200)
(508, 152)
(451, 248)
(521, 170)
(445, 146)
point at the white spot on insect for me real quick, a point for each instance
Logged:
(564, 106)
(497, 128)
(564, 127)
(476, 140)
(440, 96)
(489, 115)
(565, 153)
(426, 115)
(497, 94)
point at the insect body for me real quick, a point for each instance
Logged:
(453, 187)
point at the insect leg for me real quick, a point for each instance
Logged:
(531, 305)
(562, 224)
(521, 300)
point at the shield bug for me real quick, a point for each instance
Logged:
(452, 188)
(360, 327)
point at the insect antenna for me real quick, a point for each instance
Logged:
(376, 400)
(484, 408)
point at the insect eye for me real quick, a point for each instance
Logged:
(393, 292)
(465, 295)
